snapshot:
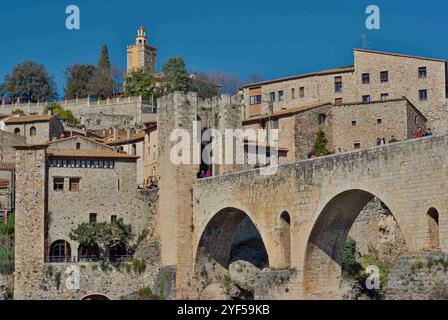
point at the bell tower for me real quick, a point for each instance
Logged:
(141, 54)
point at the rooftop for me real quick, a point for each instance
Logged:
(7, 166)
(398, 55)
(103, 154)
(28, 119)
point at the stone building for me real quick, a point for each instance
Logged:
(132, 144)
(60, 185)
(37, 128)
(141, 54)
(347, 126)
(374, 76)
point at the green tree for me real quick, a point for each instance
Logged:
(30, 81)
(320, 145)
(105, 235)
(101, 85)
(77, 79)
(140, 82)
(63, 114)
(175, 75)
(203, 85)
(349, 263)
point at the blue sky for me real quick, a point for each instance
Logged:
(271, 38)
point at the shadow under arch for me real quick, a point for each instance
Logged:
(325, 246)
(229, 232)
(95, 296)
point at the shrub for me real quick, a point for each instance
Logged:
(349, 264)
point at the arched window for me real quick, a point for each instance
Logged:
(118, 251)
(285, 238)
(17, 131)
(33, 131)
(322, 118)
(60, 251)
(433, 226)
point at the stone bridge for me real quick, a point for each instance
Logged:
(305, 210)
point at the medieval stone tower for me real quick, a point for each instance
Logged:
(141, 54)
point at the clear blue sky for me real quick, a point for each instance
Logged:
(271, 38)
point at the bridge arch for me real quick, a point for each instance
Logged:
(326, 242)
(230, 235)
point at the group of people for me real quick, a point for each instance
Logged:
(423, 133)
(382, 141)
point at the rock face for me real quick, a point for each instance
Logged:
(214, 291)
(244, 274)
(376, 228)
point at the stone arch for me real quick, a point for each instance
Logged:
(225, 234)
(60, 251)
(33, 131)
(326, 242)
(284, 236)
(95, 296)
(433, 228)
(88, 253)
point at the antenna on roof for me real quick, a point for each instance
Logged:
(365, 43)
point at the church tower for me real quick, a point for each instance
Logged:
(141, 54)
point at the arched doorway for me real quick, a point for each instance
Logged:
(60, 251)
(229, 236)
(433, 228)
(95, 296)
(326, 243)
(118, 251)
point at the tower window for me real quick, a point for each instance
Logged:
(423, 95)
(379, 121)
(422, 73)
(338, 84)
(293, 94)
(272, 97)
(33, 132)
(302, 92)
(58, 184)
(78, 145)
(357, 145)
(366, 99)
(366, 78)
(384, 76)
(354, 123)
(92, 217)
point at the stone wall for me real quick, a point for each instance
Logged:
(419, 276)
(7, 143)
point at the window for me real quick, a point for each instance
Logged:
(338, 101)
(357, 145)
(422, 72)
(58, 184)
(78, 146)
(322, 118)
(113, 218)
(134, 149)
(384, 96)
(384, 76)
(379, 121)
(366, 99)
(118, 185)
(281, 95)
(74, 184)
(293, 94)
(366, 78)
(16, 131)
(302, 92)
(433, 226)
(354, 123)
(255, 99)
(423, 95)
(272, 97)
(33, 131)
(275, 124)
(338, 84)
(92, 217)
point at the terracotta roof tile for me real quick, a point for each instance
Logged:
(89, 154)
(4, 183)
(26, 119)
